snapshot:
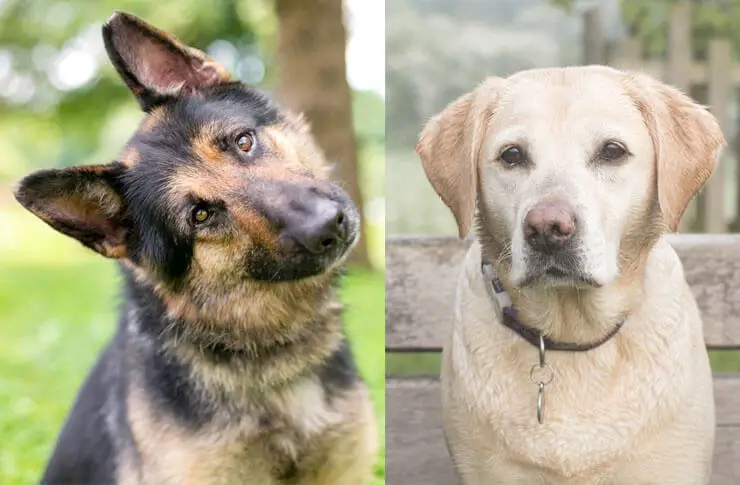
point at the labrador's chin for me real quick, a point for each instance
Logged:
(559, 277)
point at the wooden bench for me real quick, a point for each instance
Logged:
(420, 284)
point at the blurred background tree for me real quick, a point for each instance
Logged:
(316, 57)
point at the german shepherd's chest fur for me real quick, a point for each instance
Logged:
(204, 417)
(272, 442)
(230, 364)
(168, 412)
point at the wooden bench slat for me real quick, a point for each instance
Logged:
(416, 451)
(414, 443)
(422, 274)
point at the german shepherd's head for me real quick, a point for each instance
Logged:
(220, 201)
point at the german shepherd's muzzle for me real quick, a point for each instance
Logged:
(315, 225)
(230, 364)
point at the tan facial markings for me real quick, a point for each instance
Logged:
(205, 147)
(291, 142)
(224, 182)
(255, 226)
(281, 145)
(214, 262)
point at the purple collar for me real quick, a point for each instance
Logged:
(510, 318)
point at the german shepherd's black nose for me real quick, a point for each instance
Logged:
(316, 221)
(324, 226)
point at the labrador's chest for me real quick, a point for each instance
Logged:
(595, 413)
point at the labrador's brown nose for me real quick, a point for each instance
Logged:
(549, 226)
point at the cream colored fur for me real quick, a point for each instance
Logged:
(639, 409)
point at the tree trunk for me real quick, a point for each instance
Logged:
(313, 80)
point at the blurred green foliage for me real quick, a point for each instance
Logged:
(709, 20)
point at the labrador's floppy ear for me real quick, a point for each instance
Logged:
(154, 64)
(449, 147)
(82, 202)
(687, 140)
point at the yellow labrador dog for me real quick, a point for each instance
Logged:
(576, 354)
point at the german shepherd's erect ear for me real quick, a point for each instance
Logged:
(154, 64)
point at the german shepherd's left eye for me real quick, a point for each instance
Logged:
(245, 142)
(201, 215)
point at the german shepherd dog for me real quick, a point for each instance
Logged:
(229, 364)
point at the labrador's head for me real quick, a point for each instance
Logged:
(564, 164)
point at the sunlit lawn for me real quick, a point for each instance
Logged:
(57, 308)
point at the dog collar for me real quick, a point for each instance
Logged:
(541, 373)
(510, 318)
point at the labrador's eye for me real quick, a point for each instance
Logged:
(612, 151)
(201, 215)
(512, 156)
(245, 142)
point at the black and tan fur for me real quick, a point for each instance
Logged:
(229, 365)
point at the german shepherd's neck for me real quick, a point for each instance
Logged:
(227, 358)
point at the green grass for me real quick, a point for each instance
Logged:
(364, 296)
(428, 363)
(58, 306)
